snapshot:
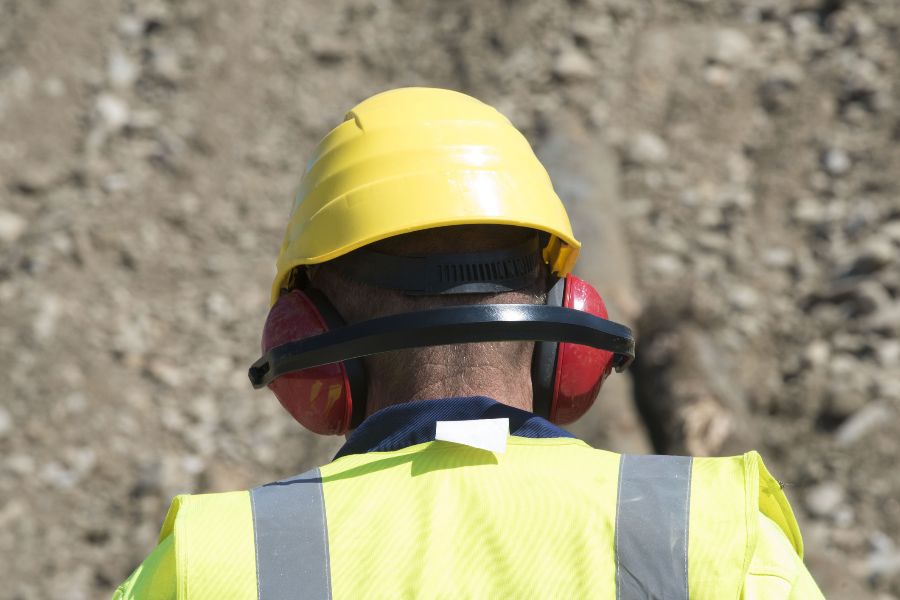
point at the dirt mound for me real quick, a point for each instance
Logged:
(732, 165)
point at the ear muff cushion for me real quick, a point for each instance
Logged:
(319, 398)
(353, 368)
(580, 370)
(543, 364)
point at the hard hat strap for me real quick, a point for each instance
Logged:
(483, 272)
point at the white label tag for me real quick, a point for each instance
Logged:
(486, 434)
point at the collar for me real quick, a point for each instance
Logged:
(404, 425)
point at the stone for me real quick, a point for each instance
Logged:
(774, 94)
(327, 48)
(836, 161)
(817, 353)
(130, 26)
(888, 388)
(219, 306)
(193, 464)
(878, 252)
(145, 119)
(731, 47)
(573, 64)
(166, 63)
(115, 182)
(856, 295)
(646, 148)
(851, 344)
(20, 464)
(719, 75)
(81, 460)
(885, 318)
(121, 70)
(113, 111)
(862, 216)
(743, 297)
(786, 72)
(892, 231)
(148, 479)
(777, 257)
(808, 210)
(22, 82)
(75, 403)
(666, 265)
(888, 352)
(55, 474)
(844, 517)
(12, 226)
(710, 216)
(46, 319)
(6, 422)
(884, 560)
(881, 542)
(165, 373)
(54, 87)
(599, 114)
(863, 422)
(36, 178)
(824, 499)
(845, 396)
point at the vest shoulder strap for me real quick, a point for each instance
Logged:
(214, 545)
(774, 504)
(727, 497)
(267, 543)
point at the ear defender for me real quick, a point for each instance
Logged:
(566, 377)
(320, 398)
(330, 399)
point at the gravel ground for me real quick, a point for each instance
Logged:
(732, 167)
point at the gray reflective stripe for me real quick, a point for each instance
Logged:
(652, 527)
(291, 537)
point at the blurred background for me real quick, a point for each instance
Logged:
(730, 166)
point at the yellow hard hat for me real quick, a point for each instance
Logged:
(416, 158)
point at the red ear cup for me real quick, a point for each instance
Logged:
(580, 370)
(318, 398)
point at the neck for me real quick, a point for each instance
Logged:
(428, 380)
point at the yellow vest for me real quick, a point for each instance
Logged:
(550, 518)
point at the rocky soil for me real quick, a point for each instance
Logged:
(732, 168)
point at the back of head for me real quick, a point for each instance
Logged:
(421, 171)
(500, 370)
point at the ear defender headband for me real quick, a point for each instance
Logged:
(312, 360)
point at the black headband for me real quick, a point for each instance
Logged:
(441, 326)
(484, 272)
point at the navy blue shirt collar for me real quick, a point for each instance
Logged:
(404, 425)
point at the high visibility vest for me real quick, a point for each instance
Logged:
(551, 517)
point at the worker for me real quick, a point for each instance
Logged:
(424, 305)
